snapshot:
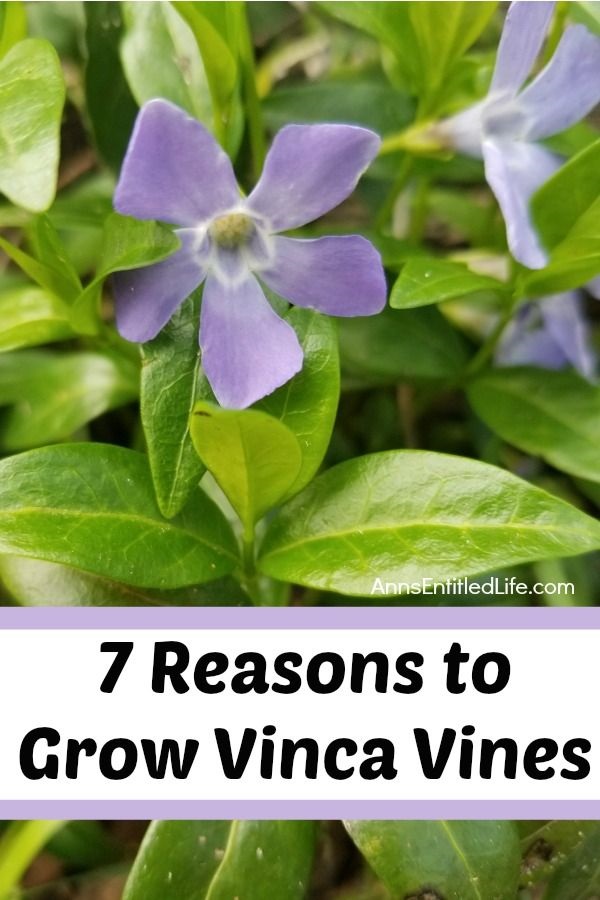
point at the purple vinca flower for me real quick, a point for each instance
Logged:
(551, 333)
(175, 171)
(504, 127)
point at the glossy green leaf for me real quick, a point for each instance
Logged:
(30, 316)
(32, 94)
(307, 404)
(46, 273)
(424, 281)
(109, 102)
(50, 396)
(127, 244)
(253, 457)
(579, 876)
(216, 28)
(92, 506)
(403, 516)
(49, 250)
(546, 846)
(13, 25)
(566, 196)
(554, 415)
(171, 385)
(455, 860)
(33, 582)
(401, 344)
(220, 860)
(154, 31)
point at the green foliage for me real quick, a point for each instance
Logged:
(408, 515)
(555, 415)
(455, 860)
(210, 860)
(92, 506)
(32, 94)
(424, 281)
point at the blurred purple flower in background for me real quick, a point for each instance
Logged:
(503, 127)
(175, 171)
(551, 333)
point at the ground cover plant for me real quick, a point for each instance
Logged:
(299, 306)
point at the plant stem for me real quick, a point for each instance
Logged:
(255, 121)
(250, 575)
(486, 351)
(19, 845)
(404, 173)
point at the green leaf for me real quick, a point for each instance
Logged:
(424, 281)
(49, 250)
(13, 25)
(546, 846)
(110, 105)
(307, 404)
(554, 415)
(170, 387)
(127, 244)
(397, 345)
(92, 506)
(32, 94)
(33, 582)
(219, 860)
(406, 515)
(51, 396)
(567, 195)
(572, 262)
(443, 34)
(154, 31)
(217, 28)
(455, 860)
(587, 12)
(253, 457)
(579, 877)
(47, 275)
(30, 316)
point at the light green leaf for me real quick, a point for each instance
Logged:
(424, 281)
(216, 28)
(32, 94)
(444, 33)
(49, 250)
(219, 860)
(171, 385)
(33, 582)
(403, 516)
(397, 345)
(253, 457)
(47, 274)
(50, 396)
(154, 31)
(30, 316)
(554, 415)
(455, 860)
(92, 506)
(307, 404)
(127, 244)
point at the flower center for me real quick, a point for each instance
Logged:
(232, 230)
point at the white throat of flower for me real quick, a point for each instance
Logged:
(233, 244)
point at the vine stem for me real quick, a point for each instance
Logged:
(19, 845)
(255, 121)
(486, 351)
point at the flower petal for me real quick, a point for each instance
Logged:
(523, 34)
(145, 299)
(247, 350)
(527, 343)
(341, 276)
(565, 321)
(567, 89)
(515, 170)
(174, 170)
(309, 170)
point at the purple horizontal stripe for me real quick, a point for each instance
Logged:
(372, 617)
(300, 809)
